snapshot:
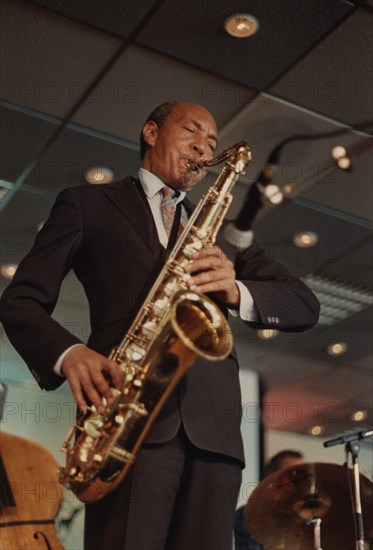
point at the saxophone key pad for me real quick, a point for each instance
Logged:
(170, 289)
(190, 248)
(159, 306)
(134, 352)
(201, 233)
(149, 328)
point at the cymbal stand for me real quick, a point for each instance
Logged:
(312, 502)
(316, 533)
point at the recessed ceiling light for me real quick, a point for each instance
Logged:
(316, 430)
(241, 25)
(344, 163)
(305, 239)
(338, 348)
(338, 152)
(8, 270)
(267, 333)
(359, 416)
(99, 174)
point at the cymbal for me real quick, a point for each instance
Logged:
(279, 511)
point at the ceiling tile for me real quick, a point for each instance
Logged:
(65, 163)
(284, 35)
(336, 76)
(336, 237)
(347, 383)
(113, 16)
(356, 265)
(142, 79)
(47, 62)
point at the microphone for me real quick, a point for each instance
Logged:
(348, 438)
(239, 233)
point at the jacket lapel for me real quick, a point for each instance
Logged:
(128, 200)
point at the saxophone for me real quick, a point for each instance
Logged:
(173, 327)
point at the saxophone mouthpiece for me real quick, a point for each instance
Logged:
(195, 165)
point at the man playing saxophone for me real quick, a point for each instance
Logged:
(182, 490)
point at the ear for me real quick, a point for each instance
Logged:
(150, 132)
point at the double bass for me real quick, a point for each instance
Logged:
(30, 495)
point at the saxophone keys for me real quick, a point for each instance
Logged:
(150, 328)
(138, 409)
(121, 454)
(201, 233)
(159, 306)
(171, 288)
(135, 352)
(93, 428)
(192, 247)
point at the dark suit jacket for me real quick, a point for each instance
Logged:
(107, 235)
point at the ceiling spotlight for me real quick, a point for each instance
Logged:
(344, 163)
(99, 174)
(338, 348)
(305, 239)
(267, 333)
(39, 226)
(338, 152)
(241, 25)
(359, 416)
(316, 430)
(273, 194)
(8, 270)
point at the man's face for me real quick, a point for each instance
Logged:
(188, 137)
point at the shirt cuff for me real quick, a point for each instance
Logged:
(247, 310)
(57, 366)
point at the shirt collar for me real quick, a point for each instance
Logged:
(152, 185)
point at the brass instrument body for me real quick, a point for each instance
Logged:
(174, 326)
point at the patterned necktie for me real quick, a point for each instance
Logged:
(168, 208)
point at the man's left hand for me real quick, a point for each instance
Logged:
(212, 271)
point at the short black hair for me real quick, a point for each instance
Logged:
(159, 116)
(275, 463)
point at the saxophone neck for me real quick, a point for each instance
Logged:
(237, 156)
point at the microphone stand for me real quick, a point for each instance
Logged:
(353, 447)
(239, 233)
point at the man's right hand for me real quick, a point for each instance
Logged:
(89, 374)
